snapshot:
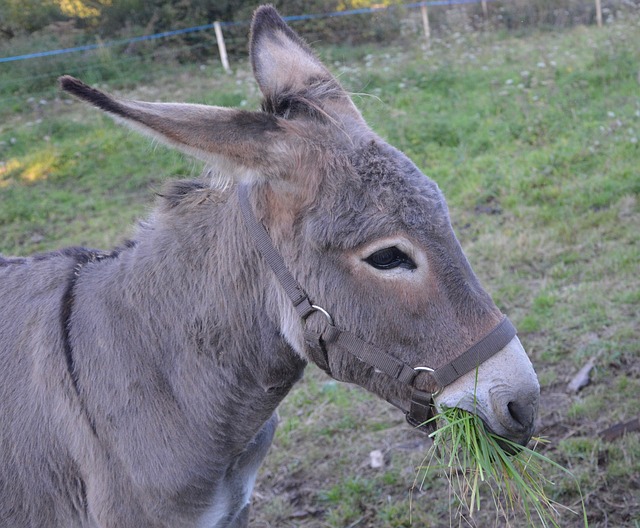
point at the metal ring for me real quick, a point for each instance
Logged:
(323, 312)
(428, 369)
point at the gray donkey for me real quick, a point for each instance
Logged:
(138, 387)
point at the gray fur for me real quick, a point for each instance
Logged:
(138, 387)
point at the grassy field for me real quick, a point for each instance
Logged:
(534, 141)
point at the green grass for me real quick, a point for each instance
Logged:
(535, 143)
(483, 473)
(78, 195)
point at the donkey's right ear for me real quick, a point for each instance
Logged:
(241, 145)
(285, 66)
(281, 60)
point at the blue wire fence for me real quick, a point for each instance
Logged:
(205, 27)
(28, 79)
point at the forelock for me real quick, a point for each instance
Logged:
(289, 103)
(378, 192)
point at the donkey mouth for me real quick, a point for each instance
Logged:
(512, 429)
(504, 393)
(511, 445)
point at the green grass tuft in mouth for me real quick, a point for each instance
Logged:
(480, 469)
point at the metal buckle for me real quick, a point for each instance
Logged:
(323, 312)
(428, 369)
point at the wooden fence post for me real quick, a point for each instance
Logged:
(425, 23)
(599, 13)
(221, 47)
(485, 10)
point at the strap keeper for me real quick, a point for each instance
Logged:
(303, 307)
(317, 351)
(330, 334)
(421, 411)
(406, 375)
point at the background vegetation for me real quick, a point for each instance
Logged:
(532, 135)
(109, 17)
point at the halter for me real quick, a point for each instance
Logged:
(420, 408)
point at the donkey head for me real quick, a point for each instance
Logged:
(358, 225)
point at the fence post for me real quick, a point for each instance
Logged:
(425, 23)
(485, 10)
(221, 47)
(599, 13)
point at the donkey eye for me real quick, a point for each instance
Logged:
(390, 258)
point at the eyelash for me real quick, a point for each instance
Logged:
(390, 258)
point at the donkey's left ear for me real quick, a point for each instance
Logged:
(241, 145)
(286, 67)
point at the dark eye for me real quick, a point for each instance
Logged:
(390, 258)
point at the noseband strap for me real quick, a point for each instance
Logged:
(493, 342)
(420, 408)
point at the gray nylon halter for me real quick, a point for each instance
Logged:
(420, 408)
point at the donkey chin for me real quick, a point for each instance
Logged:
(503, 391)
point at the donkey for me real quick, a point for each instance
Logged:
(138, 387)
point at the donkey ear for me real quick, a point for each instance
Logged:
(285, 66)
(238, 143)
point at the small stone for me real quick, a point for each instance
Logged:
(376, 459)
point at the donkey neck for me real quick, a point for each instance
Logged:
(162, 314)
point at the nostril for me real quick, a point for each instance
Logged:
(522, 414)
